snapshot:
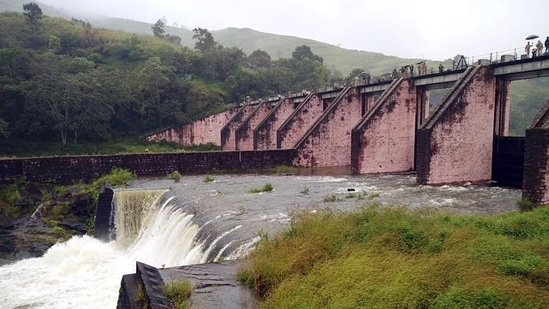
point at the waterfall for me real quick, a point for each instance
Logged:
(133, 210)
(85, 272)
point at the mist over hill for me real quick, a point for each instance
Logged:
(249, 40)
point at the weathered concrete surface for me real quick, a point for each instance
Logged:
(328, 142)
(455, 144)
(299, 122)
(244, 134)
(103, 211)
(214, 285)
(202, 131)
(265, 133)
(383, 141)
(228, 138)
(535, 181)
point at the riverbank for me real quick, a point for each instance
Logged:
(386, 257)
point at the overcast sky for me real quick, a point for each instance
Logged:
(430, 29)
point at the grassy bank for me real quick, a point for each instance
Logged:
(379, 257)
(44, 149)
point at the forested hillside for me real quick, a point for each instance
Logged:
(69, 81)
(337, 59)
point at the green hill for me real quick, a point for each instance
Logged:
(277, 46)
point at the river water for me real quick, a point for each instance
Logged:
(197, 222)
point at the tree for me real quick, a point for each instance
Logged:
(259, 59)
(205, 41)
(89, 33)
(33, 13)
(158, 28)
(227, 60)
(69, 98)
(304, 52)
(153, 77)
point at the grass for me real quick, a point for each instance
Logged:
(526, 204)
(179, 293)
(330, 198)
(127, 146)
(117, 177)
(267, 187)
(9, 195)
(393, 257)
(175, 176)
(207, 179)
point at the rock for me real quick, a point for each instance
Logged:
(31, 195)
(214, 285)
(81, 204)
(77, 226)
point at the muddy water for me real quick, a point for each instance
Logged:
(231, 216)
(227, 219)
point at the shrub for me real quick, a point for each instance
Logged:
(179, 293)
(116, 177)
(526, 204)
(268, 187)
(175, 176)
(207, 179)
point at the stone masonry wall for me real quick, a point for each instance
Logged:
(71, 169)
(202, 131)
(329, 141)
(299, 122)
(458, 146)
(535, 181)
(244, 134)
(385, 141)
(265, 133)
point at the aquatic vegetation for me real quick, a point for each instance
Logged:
(267, 187)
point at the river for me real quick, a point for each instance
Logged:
(196, 222)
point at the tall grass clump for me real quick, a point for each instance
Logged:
(117, 177)
(526, 204)
(9, 195)
(207, 179)
(175, 176)
(386, 257)
(179, 293)
(267, 187)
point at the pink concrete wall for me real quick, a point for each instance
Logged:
(265, 133)
(244, 134)
(299, 122)
(228, 139)
(386, 136)
(328, 143)
(460, 141)
(202, 131)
